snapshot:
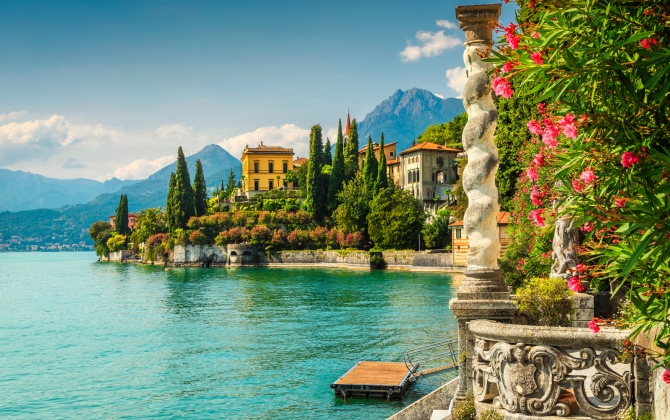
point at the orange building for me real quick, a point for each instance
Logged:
(389, 152)
(132, 220)
(460, 244)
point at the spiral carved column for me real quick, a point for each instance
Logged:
(483, 293)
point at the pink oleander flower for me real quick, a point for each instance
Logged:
(628, 159)
(520, 264)
(648, 42)
(539, 159)
(507, 67)
(575, 285)
(580, 268)
(532, 174)
(535, 196)
(594, 326)
(542, 108)
(588, 176)
(577, 185)
(549, 135)
(535, 127)
(666, 376)
(502, 87)
(535, 35)
(620, 202)
(586, 227)
(537, 58)
(569, 127)
(512, 37)
(536, 215)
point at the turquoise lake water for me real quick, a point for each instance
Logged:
(83, 339)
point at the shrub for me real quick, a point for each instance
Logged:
(260, 234)
(232, 236)
(546, 301)
(197, 237)
(464, 409)
(319, 237)
(353, 240)
(156, 245)
(298, 239)
(490, 414)
(116, 243)
(278, 240)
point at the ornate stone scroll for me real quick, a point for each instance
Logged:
(530, 379)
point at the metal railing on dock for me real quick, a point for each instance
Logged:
(433, 358)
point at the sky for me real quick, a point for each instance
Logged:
(108, 89)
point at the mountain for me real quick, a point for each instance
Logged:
(405, 115)
(26, 191)
(71, 223)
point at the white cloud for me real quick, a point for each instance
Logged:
(173, 130)
(12, 115)
(431, 43)
(288, 135)
(41, 139)
(142, 168)
(446, 24)
(456, 79)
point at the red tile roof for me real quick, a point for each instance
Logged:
(430, 146)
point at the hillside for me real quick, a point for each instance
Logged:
(405, 115)
(26, 191)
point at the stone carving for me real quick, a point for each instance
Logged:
(530, 379)
(564, 253)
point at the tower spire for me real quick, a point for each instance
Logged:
(346, 129)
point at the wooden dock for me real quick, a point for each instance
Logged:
(375, 379)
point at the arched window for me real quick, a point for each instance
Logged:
(440, 177)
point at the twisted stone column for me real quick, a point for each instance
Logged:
(483, 293)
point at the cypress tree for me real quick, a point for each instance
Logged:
(337, 174)
(185, 201)
(351, 152)
(370, 167)
(327, 154)
(199, 190)
(382, 177)
(170, 205)
(121, 218)
(315, 200)
(230, 186)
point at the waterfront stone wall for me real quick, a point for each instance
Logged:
(358, 259)
(198, 255)
(121, 256)
(423, 408)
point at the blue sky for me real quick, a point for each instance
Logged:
(101, 89)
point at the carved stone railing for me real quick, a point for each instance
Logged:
(550, 371)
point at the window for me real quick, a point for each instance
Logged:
(271, 167)
(256, 167)
(458, 234)
(255, 185)
(440, 177)
(271, 184)
(285, 167)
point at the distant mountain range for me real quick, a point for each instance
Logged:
(406, 115)
(25, 191)
(63, 210)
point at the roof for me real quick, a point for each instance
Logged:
(501, 219)
(375, 146)
(300, 161)
(267, 149)
(430, 146)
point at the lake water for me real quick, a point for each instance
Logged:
(83, 339)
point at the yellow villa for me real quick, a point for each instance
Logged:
(264, 168)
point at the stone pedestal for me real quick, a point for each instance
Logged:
(483, 294)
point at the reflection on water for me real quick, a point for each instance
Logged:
(83, 339)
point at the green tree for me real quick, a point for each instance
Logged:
(327, 153)
(100, 232)
(449, 134)
(315, 194)
(351, 152)
(230, 186)
(382, 176)
(370, 167)
(351, 215)
(149, 222)
(184, 199)
(171, 210)
(199, 190)
(121, 218)
(395, 220)
(337, 173)
(436, 234)
(117, 242)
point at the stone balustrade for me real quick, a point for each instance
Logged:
(535, 372)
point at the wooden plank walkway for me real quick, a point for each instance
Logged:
(380, 379)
